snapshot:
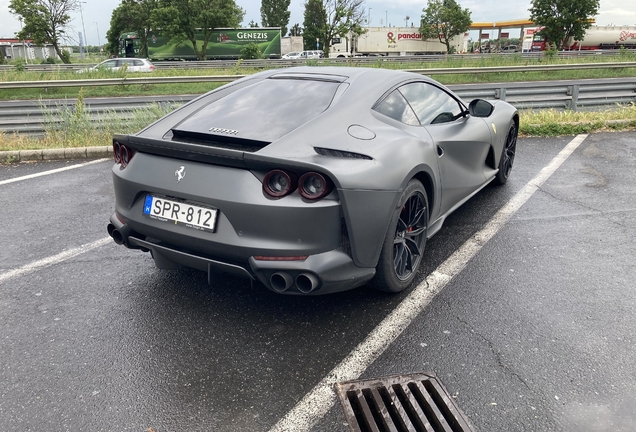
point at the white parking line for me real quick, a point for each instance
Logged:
(43, 173)
(55, 259)
(321, 398)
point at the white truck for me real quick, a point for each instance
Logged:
(392, 41)
(596, 37)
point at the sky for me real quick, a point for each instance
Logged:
(97, 13)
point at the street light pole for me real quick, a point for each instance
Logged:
(99, 41)
(83, 28)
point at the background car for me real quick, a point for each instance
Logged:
(510, 49)
(310, 54)
(309, 180)
(292, 55)
(115, 64)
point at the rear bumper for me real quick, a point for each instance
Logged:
(318, 274)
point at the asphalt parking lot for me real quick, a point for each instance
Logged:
(535, 333)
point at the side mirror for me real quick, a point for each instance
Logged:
(480, 108)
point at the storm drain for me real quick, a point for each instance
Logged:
(414, 403)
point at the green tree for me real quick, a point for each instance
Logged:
(183, 20)
(296, 30)
(44, 21)
(563, 19)
(314, 24)
(131, 16)
(444, 19)
(276, 13)
(326, 19)
(253, 24)
(251, 51)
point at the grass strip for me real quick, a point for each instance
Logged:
(79, 129)
(382, 62)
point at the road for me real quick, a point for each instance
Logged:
(536, 333)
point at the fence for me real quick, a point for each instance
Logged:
(28, 116)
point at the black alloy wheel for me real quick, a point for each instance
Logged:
(508, 155)
(409, 233)
(405, 241)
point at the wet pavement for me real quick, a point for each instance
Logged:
(536, 334)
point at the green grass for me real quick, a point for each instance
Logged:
(556, 123)
(197, 88)
(78, 130)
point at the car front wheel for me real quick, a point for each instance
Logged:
(405, 240)
(508, 155)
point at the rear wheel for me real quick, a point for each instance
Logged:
(508, 155)
(405, 240)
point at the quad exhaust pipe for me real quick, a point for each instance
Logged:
(281, 282)
(120, 236)
(305, 282)
(115, 234)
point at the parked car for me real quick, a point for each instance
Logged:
(291, 55)
(309, 180)
(115, 64)
(510, 49)
(310, 54)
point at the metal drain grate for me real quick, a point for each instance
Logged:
(414, 403)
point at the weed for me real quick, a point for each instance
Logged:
(555, 123)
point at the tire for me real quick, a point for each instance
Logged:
(507, 155)
(405, 241)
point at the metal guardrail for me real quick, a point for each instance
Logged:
(118, 81)
(29, 117)
(229, 78)
(268, 63)
(562, 95)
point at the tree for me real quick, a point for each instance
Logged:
(251, 51)
(315, 24)
(131, 16)
(186, 20)
(563, 19)
(44, 21)
(444, 19)
(276, 13)
(252, 24)
(296, 30)
(326, 19)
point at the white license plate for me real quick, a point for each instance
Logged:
(192, 216)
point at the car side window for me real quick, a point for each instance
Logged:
(396, 107)
(109, 64)
(431, 104)
(138, 63)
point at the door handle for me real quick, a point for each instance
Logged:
(440, 151)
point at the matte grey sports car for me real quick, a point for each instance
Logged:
(310, 180)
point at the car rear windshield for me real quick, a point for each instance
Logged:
(266, 110)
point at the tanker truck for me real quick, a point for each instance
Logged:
(596, 37)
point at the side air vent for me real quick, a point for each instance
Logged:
(340, 153)
(224, 142)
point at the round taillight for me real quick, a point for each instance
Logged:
(124, 155)
(116, 152)
(313, 186)
(278, 183)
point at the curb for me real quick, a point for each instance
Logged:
(56, 154)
